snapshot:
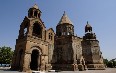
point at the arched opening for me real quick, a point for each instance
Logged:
(35, 13)
(37, 30)
(31, 13)
(68, 33)
(34, 60)
(88, 30)
(50, 36)
(25, 29)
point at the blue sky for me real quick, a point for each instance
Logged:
(101, 15)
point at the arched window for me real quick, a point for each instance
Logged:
(50, 36)
(25, 29)
(35, 13)
(68, 33)
(31, 13)
(37, 30)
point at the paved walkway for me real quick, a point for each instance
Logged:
(108, 70)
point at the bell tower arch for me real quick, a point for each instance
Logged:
(37, 30)
(34, 12)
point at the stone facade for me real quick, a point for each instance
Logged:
(33, 46)
(73, 52)
(40, 49)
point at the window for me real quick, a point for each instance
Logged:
(37, 30)
(69, 28)
(68, 33)
(25, 29)
(35, 13)
(50, 36)
(31, 13)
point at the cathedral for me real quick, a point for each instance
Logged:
(38, 48)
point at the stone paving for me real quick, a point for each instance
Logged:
(108, 70)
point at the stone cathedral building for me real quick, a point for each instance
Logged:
(38, 48)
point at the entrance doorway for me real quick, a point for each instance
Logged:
(34, 60)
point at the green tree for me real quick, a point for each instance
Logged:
(106, 62)
(114, 63)
(110, 64)
(6, 55)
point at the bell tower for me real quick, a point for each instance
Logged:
(88, 28)
(31, 49)
(34, 12)
(88, 32)
(32, 25)
(91, 50)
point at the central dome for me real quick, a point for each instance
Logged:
(64, 19)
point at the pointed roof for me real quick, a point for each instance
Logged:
(35, 6)
(88, 25)
(64, 19)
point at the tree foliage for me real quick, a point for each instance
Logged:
(111, 63)
(106, 62)
(6, 55)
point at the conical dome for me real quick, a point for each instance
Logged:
(64, 19)
(88, 25)
(35, 6)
